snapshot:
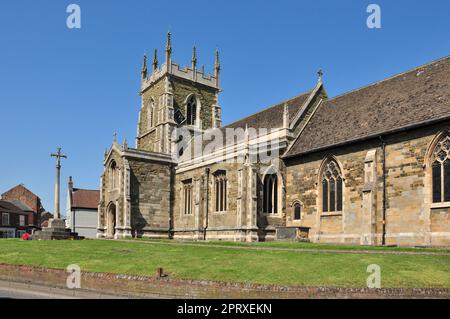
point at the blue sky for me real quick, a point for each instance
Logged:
(74, 88)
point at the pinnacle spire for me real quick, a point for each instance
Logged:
(217, 62)
(125, 143)
(194, 58)
(217, 68)
(155, 60)
(169, 46)
(144, 67)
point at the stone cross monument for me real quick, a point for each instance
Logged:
(56, 226)
(58, 156)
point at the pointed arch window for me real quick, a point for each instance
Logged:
(113, 176)
(331, 188)
(191, 111)
(151, 114)
(188, 197)
(297, 211)
(270, 194)
(440, 171)
(220, 186)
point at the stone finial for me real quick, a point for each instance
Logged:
(115, 137)
(169, 47)
(217, 64)
(155, 60)
(194, 58)
(144, 67)
(320, 76)
(125, 143)
(217, 68)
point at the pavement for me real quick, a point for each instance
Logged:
(15, 290)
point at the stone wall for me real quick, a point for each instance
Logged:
(410, 219)
(206, 95)
(150, 194)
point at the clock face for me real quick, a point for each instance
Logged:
(179, 117)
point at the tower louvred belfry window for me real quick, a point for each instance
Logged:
(441, 171)
(331, 188)
(191, 111)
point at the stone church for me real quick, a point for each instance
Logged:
(369, 167)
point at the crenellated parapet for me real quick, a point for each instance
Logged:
(169, 67)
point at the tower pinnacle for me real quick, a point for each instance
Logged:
(155, 60)
(194, 58)
(217, 68)
(169, 48)
(144, 67)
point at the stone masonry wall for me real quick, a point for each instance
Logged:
(410, 218)
(150, 194)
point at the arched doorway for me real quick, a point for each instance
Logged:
(111, 221)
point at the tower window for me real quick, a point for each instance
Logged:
(191, 111)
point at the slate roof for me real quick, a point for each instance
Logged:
(21, 205)
(402, 101)
(85, 198)
(272, 117)
(8, 207)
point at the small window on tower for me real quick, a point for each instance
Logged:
(191, 111)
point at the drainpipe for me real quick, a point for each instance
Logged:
(207, 203)
(383, 150)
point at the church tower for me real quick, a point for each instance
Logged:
(172, 96)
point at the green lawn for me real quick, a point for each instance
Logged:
(228, 264)
(308, 246)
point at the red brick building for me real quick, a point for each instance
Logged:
(13, 220)
(27, 201)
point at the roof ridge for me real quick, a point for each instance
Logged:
(85, 189)
(389, 78)
(269, 107)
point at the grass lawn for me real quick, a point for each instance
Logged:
(227, 264)
(305, 245)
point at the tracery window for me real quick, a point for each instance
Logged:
(113, 176)
(187, 196)
(220, 186)
(441, 171)
(191, 111)
(270, 194)
(331, 188)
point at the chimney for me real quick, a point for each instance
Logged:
(70, 184)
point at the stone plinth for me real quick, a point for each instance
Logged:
(56, 230)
